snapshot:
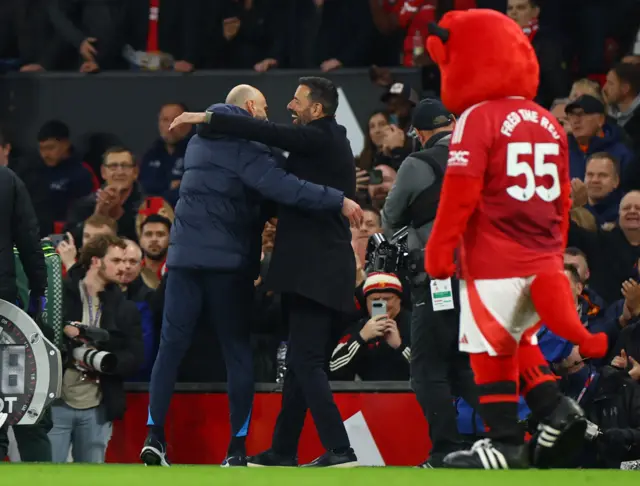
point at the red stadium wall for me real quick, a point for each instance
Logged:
(390, 430)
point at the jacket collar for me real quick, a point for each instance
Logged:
(436, 138)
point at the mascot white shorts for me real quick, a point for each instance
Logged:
(496, 316)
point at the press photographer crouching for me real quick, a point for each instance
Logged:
(104, 346)
(611, 402)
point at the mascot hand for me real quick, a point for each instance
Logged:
(595, 346)
(439, 265)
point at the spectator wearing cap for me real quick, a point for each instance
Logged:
(414, 197)
(591, 133)
(376, 348)
(400, 100)
(396, 144)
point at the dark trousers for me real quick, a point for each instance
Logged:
(439, 372)
(32, 440)
(306, 385)
(227, 298)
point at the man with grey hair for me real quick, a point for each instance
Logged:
(214, 258)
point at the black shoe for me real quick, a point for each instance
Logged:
(235, 461)
(558, 435)
(154, 452)
(335, 459)
(270, 458)
(486, 454)
(426, 465)
(434, 461)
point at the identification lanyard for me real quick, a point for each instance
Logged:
(93, 320)
(586, 387)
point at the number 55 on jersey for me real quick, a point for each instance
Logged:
(519, 150)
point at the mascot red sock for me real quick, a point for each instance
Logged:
(538, 384)
(497, 380)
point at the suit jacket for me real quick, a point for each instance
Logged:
(312, 255)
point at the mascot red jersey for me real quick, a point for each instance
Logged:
(505, 208)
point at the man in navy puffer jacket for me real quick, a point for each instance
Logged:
(214, 257)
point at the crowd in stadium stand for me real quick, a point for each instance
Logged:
(589, 53)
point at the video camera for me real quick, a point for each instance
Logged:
(88, 339)
(388, 256)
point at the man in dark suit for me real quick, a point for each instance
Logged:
(214, 258)
(312, 266)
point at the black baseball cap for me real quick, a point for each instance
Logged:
(589, 104)
(430, 114)
(402, 90)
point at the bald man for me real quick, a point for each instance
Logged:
(214, 258)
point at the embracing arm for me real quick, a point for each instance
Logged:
(292, 138)
(260, 172)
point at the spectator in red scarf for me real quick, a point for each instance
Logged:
(554, 79)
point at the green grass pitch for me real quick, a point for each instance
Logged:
(138, 475)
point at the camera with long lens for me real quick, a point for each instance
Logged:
(87, 352)
(388, 256)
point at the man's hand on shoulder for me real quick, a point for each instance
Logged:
(353, 212)
(188, 118)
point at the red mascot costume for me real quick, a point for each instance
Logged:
(505, 207)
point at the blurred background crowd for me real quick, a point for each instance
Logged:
(589, 53)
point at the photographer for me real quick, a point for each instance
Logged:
(611, 401)
(438, 370)
(104, 346)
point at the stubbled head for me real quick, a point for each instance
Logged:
(250, 99)
(482, 55)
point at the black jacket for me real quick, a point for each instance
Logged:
(554, 77)
(26, 33)
(413, 199)
(19, 226)
(83, 208)
(121, 319)
(75, 20)
(612, 402)
(374, 360)
(611, 258)
(312, 256)
(38, 189)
